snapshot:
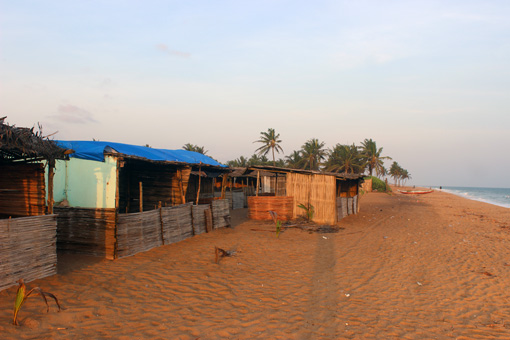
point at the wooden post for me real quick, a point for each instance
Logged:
(181, 188)
(141, 195)
(223, 186)
(161, 227)
(51, 173)
(199, 181)
(258, 178)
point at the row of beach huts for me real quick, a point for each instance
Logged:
(115, 200)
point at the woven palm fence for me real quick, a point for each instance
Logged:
(177, 223)
(199, 213)
(259, 207)
(138, 232)
(318, 191)
(220, 213)
(27, 249)
(86, 231)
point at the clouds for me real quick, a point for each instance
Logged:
(164, 48)
(73, 115)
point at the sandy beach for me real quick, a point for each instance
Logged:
(432, 266)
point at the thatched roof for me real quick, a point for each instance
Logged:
(23, 144)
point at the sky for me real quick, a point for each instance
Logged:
(429, 81)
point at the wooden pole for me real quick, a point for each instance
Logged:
(51, 173)
(223, 186)
(199, 181)
(141, 195)
(181, 188)
(258, 178)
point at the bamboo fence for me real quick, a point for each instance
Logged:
(235, 199)
(318, 191)
(177, 223)
(220, 213)
(96, 231)
(199, 221)
(138, 232)
(323, 198)
(366, 186)
(86, 231)
(259, 207)
(27, 249)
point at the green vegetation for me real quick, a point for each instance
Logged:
(312, 153)
(346, 159)
(399, 174)
(309, 209)
(378, 184)
(22, 296)
(371, 157)
(277, 222)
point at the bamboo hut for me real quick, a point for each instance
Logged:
(332, 195)
(27, 223)
(115, 200)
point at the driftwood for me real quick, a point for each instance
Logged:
(220, 253)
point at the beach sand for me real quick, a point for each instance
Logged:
(432, 266)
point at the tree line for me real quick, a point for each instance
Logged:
(313, 155)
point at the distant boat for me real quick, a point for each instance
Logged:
(415, 192)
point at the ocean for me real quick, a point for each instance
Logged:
(496, 196)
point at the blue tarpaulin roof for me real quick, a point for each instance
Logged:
(94, 150)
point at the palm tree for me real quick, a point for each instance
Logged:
(255, 159)
(372, 157)
(270, 141)
(195, 148)
(398, 173)
(294, 160)
(313, 153)
(345, 158)
(405, 175)
(238, 163)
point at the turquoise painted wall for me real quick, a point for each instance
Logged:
(85, 183)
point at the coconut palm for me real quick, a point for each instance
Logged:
(238, 162)
(398, 173)
(372, 157)
(405, 176)
(195, 148)
(345, 158)
(313, 153)
(255, 159)
(270, 142)
(294, 160)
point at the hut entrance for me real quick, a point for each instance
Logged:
(146, 186)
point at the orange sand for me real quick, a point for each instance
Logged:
(407, 267)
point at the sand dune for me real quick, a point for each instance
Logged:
(430, 267)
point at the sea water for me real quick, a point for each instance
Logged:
(496, 196)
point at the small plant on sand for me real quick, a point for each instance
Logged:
(21, 297)
(277, 223)
(309, 209)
